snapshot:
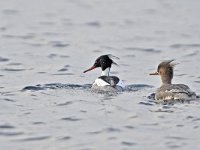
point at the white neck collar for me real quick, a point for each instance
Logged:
(105, 72)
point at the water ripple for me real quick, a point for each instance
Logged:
(56, 86)
(12, 69)
(6, 126)
(2, 59)
(195, 45)
(71, 119)
(59, 44)
(146, 103)
(176, 138)
(94, 24)
(9, 100)
(136, 87)
(35, 138)
(127, 143)
(111, 129)
(10, 11)
(11, 133)
(38, 123)
(150, 50)
(65, 138)
(66, 103)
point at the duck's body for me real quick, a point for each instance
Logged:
(108, 83)
(105, 81)
(169, 91)
(174, 92)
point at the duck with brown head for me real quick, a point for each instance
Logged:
(169, 91)
(105, 80)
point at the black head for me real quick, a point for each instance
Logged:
(104, 62)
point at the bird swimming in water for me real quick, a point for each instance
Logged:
(105, 81)
(169, 91)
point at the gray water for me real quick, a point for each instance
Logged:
(45, 99)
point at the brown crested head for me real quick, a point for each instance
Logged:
(165, 70)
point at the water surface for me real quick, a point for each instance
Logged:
(45, 99)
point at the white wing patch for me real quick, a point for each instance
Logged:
(100, 82)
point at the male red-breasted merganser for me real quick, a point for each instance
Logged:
(169, 91)
(105, 80)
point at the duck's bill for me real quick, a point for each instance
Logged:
(93, 67)
(155, 73)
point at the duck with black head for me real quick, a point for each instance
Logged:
(105, 81)
(169, 91)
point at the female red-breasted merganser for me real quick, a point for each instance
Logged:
(169, 91)
(105, 80)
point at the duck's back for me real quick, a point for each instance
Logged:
(174, 92)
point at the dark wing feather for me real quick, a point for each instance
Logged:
(173, 90)
(112, 80)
